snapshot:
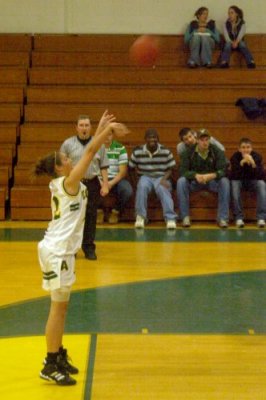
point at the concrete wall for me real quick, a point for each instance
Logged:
(119, 16)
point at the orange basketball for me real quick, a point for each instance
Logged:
(145, 50)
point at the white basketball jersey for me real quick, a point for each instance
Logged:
(65, 231)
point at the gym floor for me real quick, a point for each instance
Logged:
(160, 315)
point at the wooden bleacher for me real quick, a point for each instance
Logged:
(75, 74)
(15, 59)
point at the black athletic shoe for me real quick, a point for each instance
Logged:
(251, 65)
(89, 253)
(64, 364)
(51, 372)
(224, 65)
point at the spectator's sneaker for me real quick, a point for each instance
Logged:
(63, 362)
(223, 224)
(224, 65)
(51, 372)
(113, 217)
(186, 222)
(240, 223)
(251, 65)
(171, 224)
(191, 64)
(261, 223)
(100, 216)
(140, 222)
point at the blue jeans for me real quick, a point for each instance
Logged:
(201, 48)
(226, 53)
(123, 192)
(145, 186)
(257, 186)
(220, 186)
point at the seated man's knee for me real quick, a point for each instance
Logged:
(181, 182)
(261, 185)
(224, 183)
(142, 185)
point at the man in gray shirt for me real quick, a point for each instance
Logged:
(74, 148)
(189, 138)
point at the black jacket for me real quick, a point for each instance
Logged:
(247, 172)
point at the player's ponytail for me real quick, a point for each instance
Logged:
(47, 164)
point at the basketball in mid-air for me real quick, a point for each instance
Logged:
(145, 51)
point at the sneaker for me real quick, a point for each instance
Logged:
(261, 223)
(171, 224)
(140, 222)
(113, 217)
(100, 217)
(191, 64)
(51, 372)
(240, 223)
(224, 65)
(89, 253)
(63, 363)
(186, 222)
(251, 65)
(223, 224)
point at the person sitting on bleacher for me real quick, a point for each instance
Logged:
(153, 163)
(234, 31)
(201, 36)
(203, 167)
(118, 185)
(247, 173)
(189, 138)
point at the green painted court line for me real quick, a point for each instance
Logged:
(149, 235)
(90, 368)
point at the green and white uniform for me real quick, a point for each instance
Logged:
(117, 155)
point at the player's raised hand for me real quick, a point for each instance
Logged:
(106, 118)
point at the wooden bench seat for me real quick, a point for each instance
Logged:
(3, 193)
(33, 202)
(175, 58)
(119, 42)
(14, 58)
(4, 176)
(9, 133)
(141, 113)
(15, 42)
(23, 176)
(57, 133)
(28, 153)
(148, 95)
(12, 94)
(30, 203)
(13, 76)
(10, 113)
(6, 155)
(145, 76)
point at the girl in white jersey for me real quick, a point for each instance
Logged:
(61, 242)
